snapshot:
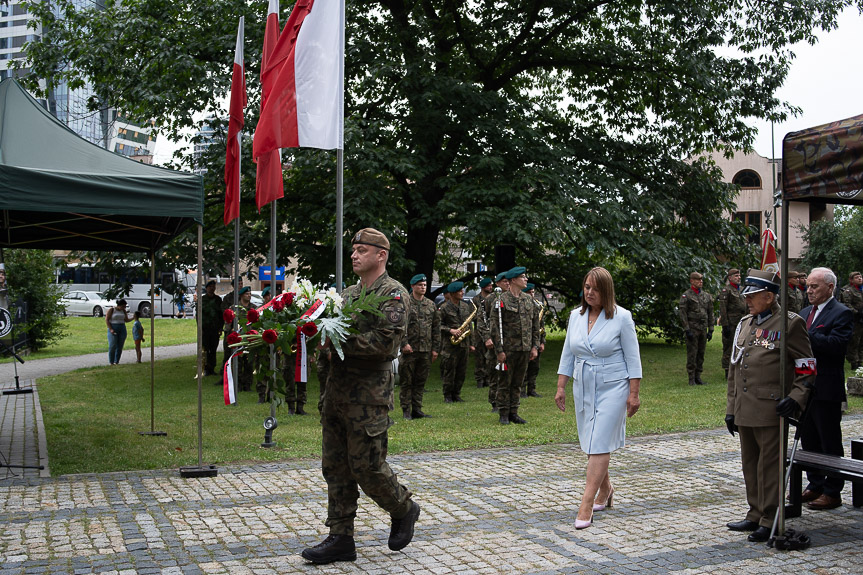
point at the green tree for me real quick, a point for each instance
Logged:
(32, 279)
(836, 244)
(561, 127)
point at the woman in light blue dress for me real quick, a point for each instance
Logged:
(601, 357)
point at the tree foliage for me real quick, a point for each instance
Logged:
(31, 278)
(836, 244)
(560, 127)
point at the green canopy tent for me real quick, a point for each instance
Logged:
(59, 191)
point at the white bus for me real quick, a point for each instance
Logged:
(85, 277)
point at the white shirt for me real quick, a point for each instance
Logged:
(818, 309)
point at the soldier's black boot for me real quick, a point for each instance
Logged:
(262, 398)
(533, 393)
(699, 381)
(516, 418)
(504, 417)
(291, 409)
(406, 413)
(691, 380)
(402, 530)
(726, 374)
(333, 548)
(300, 410)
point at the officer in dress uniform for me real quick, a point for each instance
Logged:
(851, 295)
(696, 318)
(355, 417)
(529, 387)
(732, 307)
(516, 320)
(419, 349)
(754, 397)
(480, 333)
(454, 312)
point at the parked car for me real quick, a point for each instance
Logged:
(85, 303)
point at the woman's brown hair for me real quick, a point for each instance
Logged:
(604, 284)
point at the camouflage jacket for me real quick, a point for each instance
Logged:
(423, 332)
(732, 306)
(795, 299)
(451, 317)
(853, 299)
(520, 320)
(365, 376)
(696, 311)
(211, 313)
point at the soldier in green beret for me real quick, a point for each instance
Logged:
(492, 302)
(419, 349)
(355, 417)
(732, 307)
(515, 333)
(455, 318)
(851, 295)
(696, 318)
(480, 333)
(795, 295)
(529, 387)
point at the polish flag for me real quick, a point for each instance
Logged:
(235, 125)
(269, 185)
(306, 105)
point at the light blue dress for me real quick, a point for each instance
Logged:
(601, 364)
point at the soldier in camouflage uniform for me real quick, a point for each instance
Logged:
(852, 296)
(480, 334)
(732, 308)
(516, 316)
(529, 387)
(696, 318)
(244, 364)
(795, 294)
(453, 358)
(419, 349)
(211, 327)
(490, 306)
(355, 418)
(227, 303)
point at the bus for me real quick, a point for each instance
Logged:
(85, 277)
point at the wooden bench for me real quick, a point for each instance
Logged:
(830, 465)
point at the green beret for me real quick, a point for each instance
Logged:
(418, 278)
(515, 272)
(244, 290)
(454, 287)
(484, 282)
(529, 287)
(499, 277)
(265, 291)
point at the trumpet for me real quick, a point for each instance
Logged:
(463, 328)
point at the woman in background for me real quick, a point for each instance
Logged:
(116, 319)
(601, 356)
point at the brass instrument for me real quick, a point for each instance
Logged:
(457, 340)
(541, 313)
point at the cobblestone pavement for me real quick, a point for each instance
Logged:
(486, 511)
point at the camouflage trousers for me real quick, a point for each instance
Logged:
(480, 366)
(509, 384)
(413, 373)
(695, 353)
(209, 345)
(354, 456)
(855, 347)
(323, 368)
(453, 367)
(245, 373)
(494, 375)
(530, 375)
(294, 390)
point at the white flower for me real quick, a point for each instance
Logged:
(858, 372)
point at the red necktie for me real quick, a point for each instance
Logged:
(811, 317)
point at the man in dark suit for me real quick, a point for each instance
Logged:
(830, 325)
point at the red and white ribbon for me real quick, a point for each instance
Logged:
(301, 370)
(228, 381)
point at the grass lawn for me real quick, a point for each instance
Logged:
(90, 335)
(92, 417)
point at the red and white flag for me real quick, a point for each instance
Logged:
(769, 262)
(269, 184)
(235, 125)
(306, 105)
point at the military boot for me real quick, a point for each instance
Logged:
(504, 417)
(516, 418)
(726, 374)
(300, 410)
(291, 409)
(402, 530)
(406, 413)
(699, 381)
(333, 548)
(691, 380)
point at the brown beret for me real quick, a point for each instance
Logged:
(371, 237)
(695, 276)
(733, 271)
(852, 275)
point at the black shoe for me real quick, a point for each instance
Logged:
(691, 382)
(699, 381)
(516, 418)
(458, 399)
(402, 530)
(333, 548)
(533, 394)
(300, 410)
(760, 535)
(493, 408)
(447, 399)
(418, 414)
(745, 525)
(504, 419)
(262, 399)
(406, 413)
(523, 394)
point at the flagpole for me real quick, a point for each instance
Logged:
(339, 218)
(273, 293)
(237, 267)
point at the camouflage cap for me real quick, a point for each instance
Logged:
(695, 276)
(484, 282)
(418, 278)
(371, 237)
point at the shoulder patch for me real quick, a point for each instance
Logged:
(394, 314)
(396, 294)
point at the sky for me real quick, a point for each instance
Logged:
(823, 81)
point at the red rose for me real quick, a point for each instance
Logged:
(278, 305)
(252, 332)
(270, 336)
(228, 315)
(233, 337)
(309, 329)
(252, 315)
(288, 298)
